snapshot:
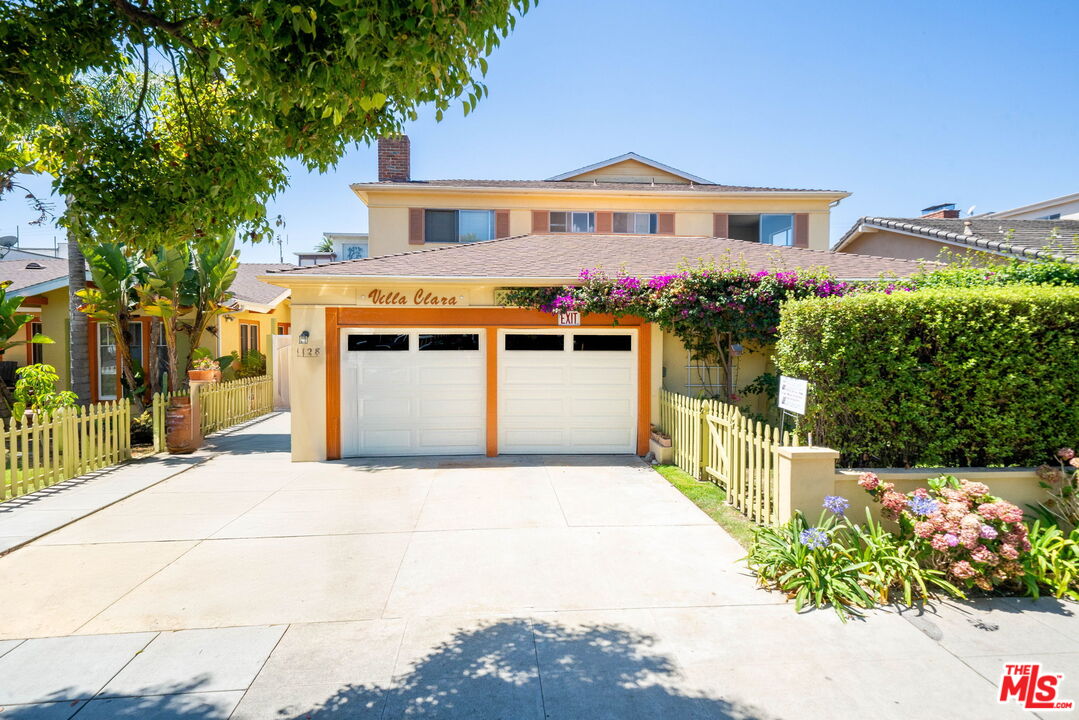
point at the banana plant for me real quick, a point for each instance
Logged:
(206, 289)
(112, 301)
(167, 272)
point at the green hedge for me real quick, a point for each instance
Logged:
(948, 377)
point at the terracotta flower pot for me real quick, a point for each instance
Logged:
(205, 375)
(179, 433)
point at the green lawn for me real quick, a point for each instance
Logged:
(710, 498)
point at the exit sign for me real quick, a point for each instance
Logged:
(571, 318)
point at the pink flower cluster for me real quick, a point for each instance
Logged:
(977, 537)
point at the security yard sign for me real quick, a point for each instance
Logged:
(792, 394)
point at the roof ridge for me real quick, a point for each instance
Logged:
(410, 252)
(974, 239)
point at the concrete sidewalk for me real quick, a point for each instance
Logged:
(250, 587)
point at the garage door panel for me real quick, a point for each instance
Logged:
(384, 409)
(533, 375)
(412, 402)
(569, 401)
(601, 408)
(451, 407)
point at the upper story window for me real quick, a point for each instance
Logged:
(458, 225)
(574, 222)
(636, 223)
(767, 229)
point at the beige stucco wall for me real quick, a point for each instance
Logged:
(677, 375)
(908, 247)
(629, 171)
(388, 210)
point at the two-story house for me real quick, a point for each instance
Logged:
(625, 195)
(409, 352)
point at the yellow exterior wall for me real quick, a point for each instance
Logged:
(227, 340)
(679, 377)
(388, 209)
(630, 171)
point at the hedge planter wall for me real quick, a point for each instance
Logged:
(940, 377)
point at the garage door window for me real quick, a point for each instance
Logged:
(377, 343)
(602, 343)
(536, 342)
(450, 341)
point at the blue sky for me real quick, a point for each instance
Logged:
(902, 104)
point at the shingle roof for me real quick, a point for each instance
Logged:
(27, 273)
(563, 256)
(588, 186)
(248, 288)
(1055, 239)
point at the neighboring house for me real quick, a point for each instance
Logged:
(260, 311)
(982, 238)
(628, 195)
(410, 353)
(1065, 207)
(346, 246)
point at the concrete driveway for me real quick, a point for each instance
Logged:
(515, 587)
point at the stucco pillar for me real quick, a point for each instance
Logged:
(806, 475)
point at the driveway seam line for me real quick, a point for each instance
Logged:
(113, 676)
(261, 668)
(539, 671)
(558, 500)
(404, 553)
(393, 670)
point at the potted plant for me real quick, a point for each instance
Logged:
(659, 443)
(205, 368)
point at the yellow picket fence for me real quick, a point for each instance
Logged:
(222, 405)
(714, 440)
(48, 449)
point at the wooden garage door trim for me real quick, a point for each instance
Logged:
(493, 320)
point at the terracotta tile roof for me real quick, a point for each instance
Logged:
(248, 288)
(563, 256)
(27, 273)
(588, 185)
(1053, 239)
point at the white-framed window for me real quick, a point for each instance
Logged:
(443, 226)
(635, 223)
(766, 228)
(572, 222)
(777, 229)
(107, 379)
(353, 251)
(249, 338)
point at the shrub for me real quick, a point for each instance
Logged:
(142, 428)
(948, 377)
(36, 390)
(1053, 561)
(1061, 484)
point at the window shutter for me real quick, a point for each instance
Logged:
(540, 221)
(720, 225)
(415, 226)
(502, 223)
(801, 230)
(604, 221)
(666, 223)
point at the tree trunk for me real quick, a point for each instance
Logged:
(152, 363)
(78, 342)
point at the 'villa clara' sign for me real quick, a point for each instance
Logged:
(420, 297)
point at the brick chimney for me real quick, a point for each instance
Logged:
(394, 159)
(942, 211)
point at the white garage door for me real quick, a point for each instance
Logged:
(412, 392)
(567, 391)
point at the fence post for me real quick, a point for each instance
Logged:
(805, 475)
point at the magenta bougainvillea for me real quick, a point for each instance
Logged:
(712, 309)
(958, 527)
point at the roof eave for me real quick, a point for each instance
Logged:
(630, 156)
(363, 189)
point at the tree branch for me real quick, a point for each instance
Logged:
(145, 18)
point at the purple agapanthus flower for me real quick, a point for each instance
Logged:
(814, 538)
(836, 504)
